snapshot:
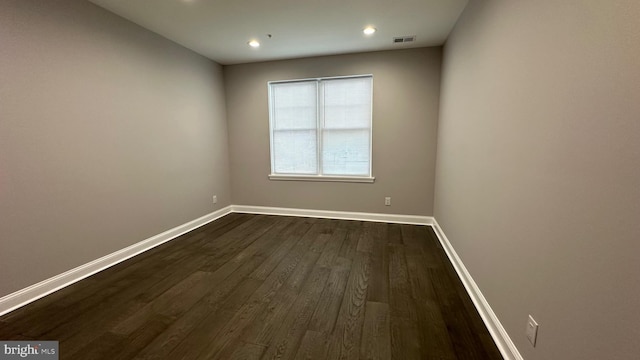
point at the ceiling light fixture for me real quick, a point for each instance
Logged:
(369, 30)
(254, 43)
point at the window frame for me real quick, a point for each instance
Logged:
(369, 178)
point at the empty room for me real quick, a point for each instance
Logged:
(411, 179)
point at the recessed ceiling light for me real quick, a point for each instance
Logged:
(254, 43)
(369, 30)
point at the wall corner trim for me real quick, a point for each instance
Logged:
(498, 333)
(34, 292)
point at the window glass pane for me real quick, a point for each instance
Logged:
(295, 152)
(345, 109)
(347, 103)
(294, 105)
(345, 152)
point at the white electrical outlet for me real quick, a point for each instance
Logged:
(532, 330)
(387, 201)
(215, 199)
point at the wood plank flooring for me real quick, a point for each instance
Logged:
(268, 287)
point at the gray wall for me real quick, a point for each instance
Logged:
(538, 176)
(109, 134)
(405, 113)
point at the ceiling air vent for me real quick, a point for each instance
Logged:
(404, 39)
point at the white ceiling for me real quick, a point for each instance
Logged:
(220, 29)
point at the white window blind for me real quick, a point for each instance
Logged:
(321, 128)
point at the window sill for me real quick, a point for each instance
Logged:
(349, 179)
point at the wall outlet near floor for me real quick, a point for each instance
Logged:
(387, 201)
(532, 330)
(215, 199)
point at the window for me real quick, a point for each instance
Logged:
(321, 129)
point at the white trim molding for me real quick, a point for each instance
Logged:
(34, 292)
(498, 333)
(348, 179)
(328, 214)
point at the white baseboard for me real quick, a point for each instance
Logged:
(34, 292)
(328, 214)
(503, 341)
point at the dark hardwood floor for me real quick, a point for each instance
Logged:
(265, 287)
